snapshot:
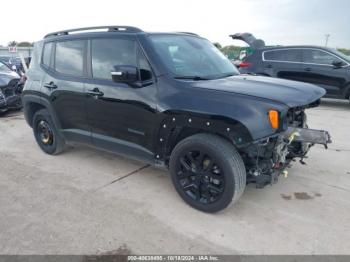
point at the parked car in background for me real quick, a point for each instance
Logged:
(322, 66)
(14, 63)
(6, 60)
(10, 89)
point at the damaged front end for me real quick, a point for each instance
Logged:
(268, 158)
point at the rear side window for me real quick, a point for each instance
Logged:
(272, 55)
(289, 55)
(47, 54)
(107, 53)
(69, 57)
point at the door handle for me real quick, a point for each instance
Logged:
(307, 69)
(269, 66)
(50, 85)
(95, 92)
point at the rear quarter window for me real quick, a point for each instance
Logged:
(47, 54)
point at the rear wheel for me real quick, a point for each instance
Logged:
(46, 135)
(207, 172)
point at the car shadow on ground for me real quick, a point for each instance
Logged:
(11, 113)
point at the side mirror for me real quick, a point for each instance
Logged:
(338, 64)
(125, 74)
(14, 67)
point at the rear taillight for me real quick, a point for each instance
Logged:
(244, 64)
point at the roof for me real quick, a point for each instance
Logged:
(105, 29)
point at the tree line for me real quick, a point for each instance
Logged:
(19, 44)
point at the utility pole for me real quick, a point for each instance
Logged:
(327, 37)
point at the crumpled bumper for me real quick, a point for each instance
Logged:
(306, 135)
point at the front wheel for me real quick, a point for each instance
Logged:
(207, 172)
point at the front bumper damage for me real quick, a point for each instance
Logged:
(266, 160)
(307, 135)
(10, 102)
(10, 96)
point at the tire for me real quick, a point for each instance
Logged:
(50, 141)
(207, 172)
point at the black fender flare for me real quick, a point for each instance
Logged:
(28, 99)
(174, 123)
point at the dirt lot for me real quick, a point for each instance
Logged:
(73, 203)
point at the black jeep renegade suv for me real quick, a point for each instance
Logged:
(170, 99)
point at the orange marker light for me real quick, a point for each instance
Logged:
(273, 117)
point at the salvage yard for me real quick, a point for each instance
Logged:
(86, 201)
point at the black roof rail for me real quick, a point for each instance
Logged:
(111, 28)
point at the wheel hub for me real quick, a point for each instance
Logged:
(45, 132)
(200, 177)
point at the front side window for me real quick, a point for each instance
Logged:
(108, 53)
(319, 57)
(47, 54)
(190, 56)
(69, 57)
(288, 55)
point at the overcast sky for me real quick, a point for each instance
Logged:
(276, 21)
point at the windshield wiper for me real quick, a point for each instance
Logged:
(226, 75)
(196, 78)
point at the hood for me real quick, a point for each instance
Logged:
(5, 78)
(249, 39)
(290, 93)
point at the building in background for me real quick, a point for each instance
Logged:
(14, 51)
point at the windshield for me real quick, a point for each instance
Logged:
(192, 57)
(4, 68)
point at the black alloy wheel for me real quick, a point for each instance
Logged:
(207, 172)
(200, 177)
